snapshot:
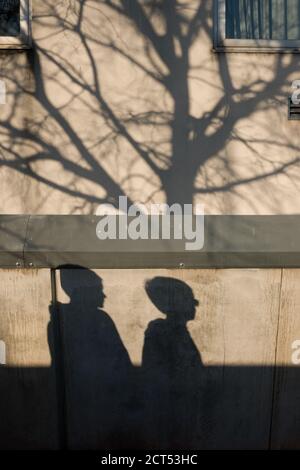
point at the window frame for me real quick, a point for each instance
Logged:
(223, 44)
(23, 40)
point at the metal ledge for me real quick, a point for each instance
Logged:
(12, 239)
(230, 242)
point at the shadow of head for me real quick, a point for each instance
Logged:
(81, 284)
(172, 297)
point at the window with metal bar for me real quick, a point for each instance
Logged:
(14, 24)
(258, 23)
(9, 17)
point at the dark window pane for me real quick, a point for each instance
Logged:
(263, 19)
(9, 17)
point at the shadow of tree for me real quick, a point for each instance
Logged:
(112, 106)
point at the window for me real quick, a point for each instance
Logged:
(14, 24)
(266, 25)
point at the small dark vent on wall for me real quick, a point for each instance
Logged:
(294, 110)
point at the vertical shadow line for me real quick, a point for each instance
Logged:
(59, 367)
(25, 240)
(275, 373)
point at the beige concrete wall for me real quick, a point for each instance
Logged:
(113, 100)
(142, 364)
(28, 398)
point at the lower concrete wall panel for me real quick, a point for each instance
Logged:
(28, 401)
(146, 358)
(286, 415)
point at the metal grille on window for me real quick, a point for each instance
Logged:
(263, 19)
